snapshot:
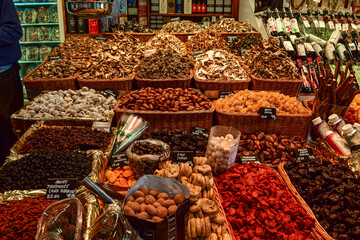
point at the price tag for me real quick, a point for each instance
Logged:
(108, 93)
(176, 19)
(102, 126)
(119, 160)
(267, 113)
(61, 188)
(243, 51)
(322, 24)
(200, 132)
(197, 53)
(247, 159)
(51, 58)
(100, 39)
(338, 26)
(224, 94)
(232, 39)
(148, 53)
(306, 23)
(331, 25)
(304, 153)
(190, 36)
(345, 27)
(178, 157)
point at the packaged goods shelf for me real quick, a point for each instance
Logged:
(41, 42)
(189, 15)
(39, 24)
(27, 4)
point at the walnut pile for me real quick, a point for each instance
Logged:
(165, 64)
(204, 41)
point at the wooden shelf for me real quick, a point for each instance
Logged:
(189, 15)
(83, 34)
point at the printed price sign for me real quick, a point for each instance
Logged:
(197, 53)
(304, 153)
(268, 113)
(224, 94)
(247, 159)
(231, 39)
(61, 188)
(178, 157)
(119, 160)
(100, 39)
(200, 132)
(102, 126)
(54, 57)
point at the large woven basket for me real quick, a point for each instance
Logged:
(212, 84)
(164, 83)
(113, 83)
(289, 87)
(49, 83)
(288, 125)
(184, 120)
(293, 191)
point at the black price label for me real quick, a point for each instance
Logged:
(247, 159)
(243, 51)
(102, 126)
(197, 53)
(100, 39)
(61, 188)
(232, 39)
(54, 57)
(267, 113)
(304, 153)
(119, 160)
(178, 157)
(200, 132)
(108, 93)
(224, 94)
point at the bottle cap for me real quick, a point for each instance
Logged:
(347, 129)
(333, 118)
(317, 121)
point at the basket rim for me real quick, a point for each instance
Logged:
(295, 80)
(222, 81)
(165, 79)
(107, 80)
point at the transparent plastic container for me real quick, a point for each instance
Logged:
(63, 220)
(43, 15)
(44, 52)
(29, 15)
(32, 53)
(45, 33)
(222, 147)
(32, 34)
(54, 16)
(55, 34)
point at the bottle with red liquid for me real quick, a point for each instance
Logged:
(306, 87)
(198, 6)
(312, 71)
(194, 6)
(203, 6)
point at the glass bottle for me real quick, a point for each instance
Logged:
(352, 138)
(329, 24)
(271, 27)
(294, 24)
(279, 23)
(287, 45)
(337, 22)
(286, 22)
(314, 23)
(343, 21)
(306, 87)
(304, 24)
(322, 27)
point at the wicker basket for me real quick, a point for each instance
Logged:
(184, 120)
(293, 191)
(212, 84)
(288, 125)
(113, 83)
(143, 37)
(49, 83)
(289, 87)
(164, 83)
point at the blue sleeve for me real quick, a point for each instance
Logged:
(10, 27)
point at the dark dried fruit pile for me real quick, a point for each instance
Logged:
(180, 140)
(145, 148)
(271, 149)
(269, 60)
(165, 64)
(69, 138)
(333, 194)
(258, 205)
(133, 27)
(33, 171)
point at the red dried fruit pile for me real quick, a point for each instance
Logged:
(259, 206)
(19, 219)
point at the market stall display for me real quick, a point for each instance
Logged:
(204, 41)
(240, 45)
(166, 41)
(184, 26)
(232, 26)
(76, 47)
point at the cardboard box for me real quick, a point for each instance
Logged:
(123, 19)
(171, 6)
(163, 6)
(165, 20)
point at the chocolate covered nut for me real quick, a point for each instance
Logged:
(179, 199)
(144, 190)
(157, 219)
(172, 209)
(128, 211)
(156, 204)
(143, 207)
(154, 192)
(163, 195)
(140, 200)
(130, 199)
(168, 203)
(143, 215)
(149, 199)
(138, 194)
(162, 212)
(151, 210)
(134, 206)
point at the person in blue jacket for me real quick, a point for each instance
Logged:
(11, 93)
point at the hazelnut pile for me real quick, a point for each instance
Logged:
(151, 205)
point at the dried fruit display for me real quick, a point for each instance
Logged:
(258, 205)
(184, 26)
(134, 27)
(250, 101)
(59, 68)
(165, 64)
(231, 25)
(166, 42)
(168, 99)
(269, 60)
(244, 43)
(120, 176)
(204, 41)
(219, 65)
(270, 148)
(332, 193)
(32, 171)
(76, 46)
(352, 116)
(83, 103)
(70, 138)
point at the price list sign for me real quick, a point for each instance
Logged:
(61, 188)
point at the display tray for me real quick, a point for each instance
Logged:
(185, 120)
(297, 196)
(164, 83)
(285, 124)
(49, 83)
(212, 84)
(113, 83)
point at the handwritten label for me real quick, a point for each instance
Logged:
(231, 39)
(178, 157)
(267, 113)
(247, 159)
(119, 160)
(54, 57)
(197, 53)
(304, 153)
(61, 188)
(148, 53)
(224, 94)
(100, 39)
(197, 131)
(102, 126)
